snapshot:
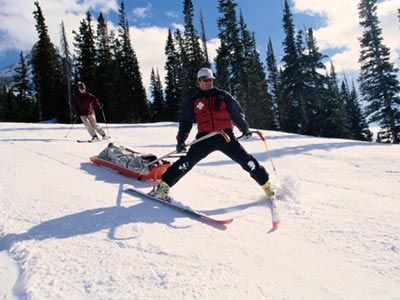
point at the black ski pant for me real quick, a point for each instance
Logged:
(200, 150)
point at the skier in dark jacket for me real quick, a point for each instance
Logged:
(212, 109)
(84, 105)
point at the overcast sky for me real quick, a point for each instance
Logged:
(335, 24)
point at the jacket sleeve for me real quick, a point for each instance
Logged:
(95, 101)
(236, 112)
(186, 122)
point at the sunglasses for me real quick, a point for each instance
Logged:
(206, 79)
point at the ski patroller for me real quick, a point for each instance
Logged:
(195, 214)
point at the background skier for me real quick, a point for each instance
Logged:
(84, 106)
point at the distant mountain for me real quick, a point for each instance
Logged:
(8, 73)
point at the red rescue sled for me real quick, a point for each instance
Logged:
(154, 174)
(156, 166)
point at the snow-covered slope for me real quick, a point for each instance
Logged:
(68, 231)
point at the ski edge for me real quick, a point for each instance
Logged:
(191, 212)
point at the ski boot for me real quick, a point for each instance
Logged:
(161, 192)
(268, 190)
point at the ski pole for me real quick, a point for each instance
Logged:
(259, 133)
(225, 136)
(76, 119)
(104, 118)
(170, 156)
(266, 147)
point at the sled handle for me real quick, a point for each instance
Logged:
(224, 135)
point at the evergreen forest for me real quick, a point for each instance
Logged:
(297, 94)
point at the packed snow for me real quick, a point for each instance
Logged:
(69, 231)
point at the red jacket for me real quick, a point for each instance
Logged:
(85, 103)
(208, 117)
(212, 110)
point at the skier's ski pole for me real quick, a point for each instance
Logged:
(226, 137)
(105, 122)
(259, 133)
(266, 147)
(76, 119)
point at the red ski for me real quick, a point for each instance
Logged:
(275, 215)
(195, 214)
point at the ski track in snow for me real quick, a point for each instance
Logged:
(68, 231)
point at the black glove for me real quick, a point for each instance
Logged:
(180, 147)
(247, 134)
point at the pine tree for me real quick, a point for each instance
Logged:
(334, 115)
(47, 73)
(158, 105)
(3, 106)
(194, 55)
(315, 86)
(172, 91)
(67, 71)
(183, 60)
(25, 104)
(104, 83)
(230, 54)
(222, 64)
(22, 84)
(85, 51)
(273, 84)
(357, 123)
(378, 81)
(7, 104)
(134, 106)
(294, 108)
(254, 91)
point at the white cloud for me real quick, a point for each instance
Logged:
(179, 26)
(342, 28)
(149, 45)
(212, 46)
(141, 12)
(172, 14)
(101, 5)
(17, 23)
